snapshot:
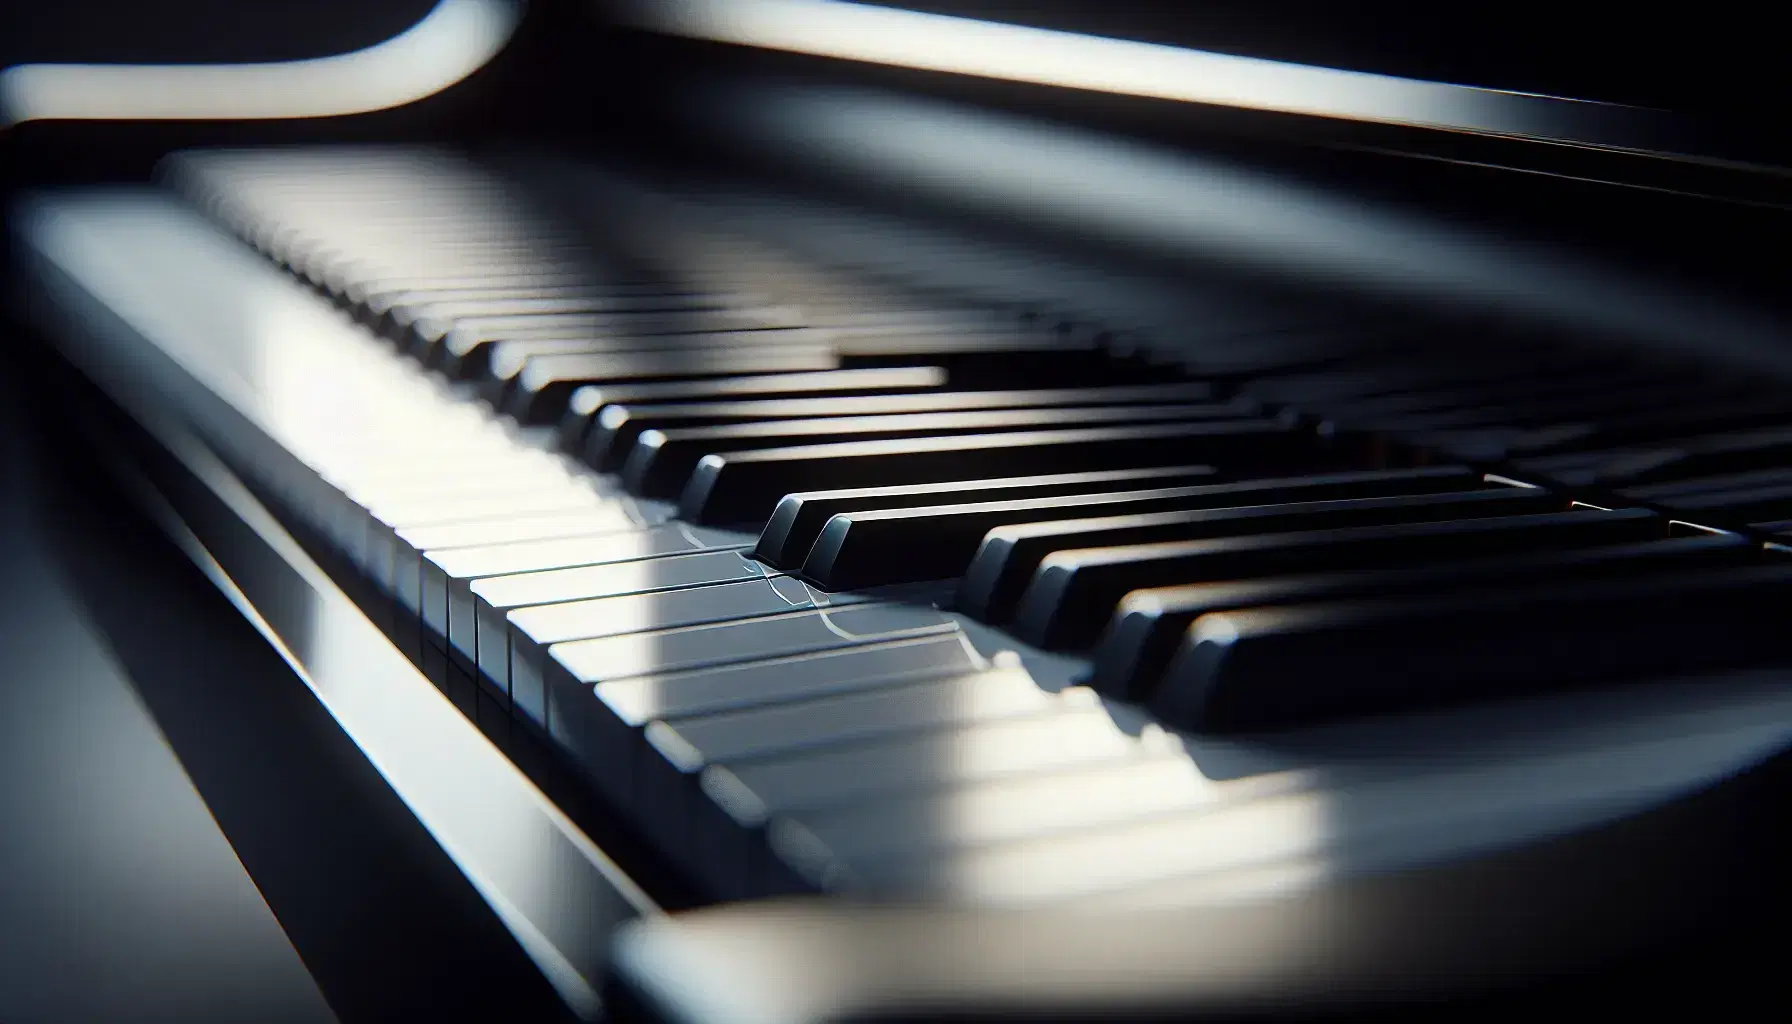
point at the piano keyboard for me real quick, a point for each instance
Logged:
(836, 582)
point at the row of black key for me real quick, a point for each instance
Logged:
(920, 470)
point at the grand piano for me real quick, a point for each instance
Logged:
(829, 512)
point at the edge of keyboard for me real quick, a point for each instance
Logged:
(502, 831)
(673, 963)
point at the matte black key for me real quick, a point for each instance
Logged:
(798, 520)
(618, 426)
(869, 549)
(1276, 667)
(746, 486)
(1008, 556)
(588, 402)
(663, 460)
(1146, 629)
(1075, 592)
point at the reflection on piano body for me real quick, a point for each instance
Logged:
(1010, 591)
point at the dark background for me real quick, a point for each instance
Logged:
(193, 31)
(1709, 56)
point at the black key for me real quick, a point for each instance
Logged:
(1667, 493)
(589, 402)
(357, 285)
(385, 292)
(1075, 592)
(662, 460)
(1699, 456)
(380, 300)
(746, 486)
(799, 518)
(390, 311)
(1008, 556)
(1595, 402)
(541, 387)
(463, 350)
(618, 426)
(1403, 376)
(1149, 624)
(1519, 400)
(1739, 506)
(682, 364)
(421, 321)
(1609, 431)
(542, 390)
(596, 301)
(1470, 415)
(1003, 362)
(869, 549)
(502, 353)
(415, 318)
(549, 362)
(1270, 668)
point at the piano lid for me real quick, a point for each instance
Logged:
(1171, 53)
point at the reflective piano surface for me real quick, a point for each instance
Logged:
(491, 619)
